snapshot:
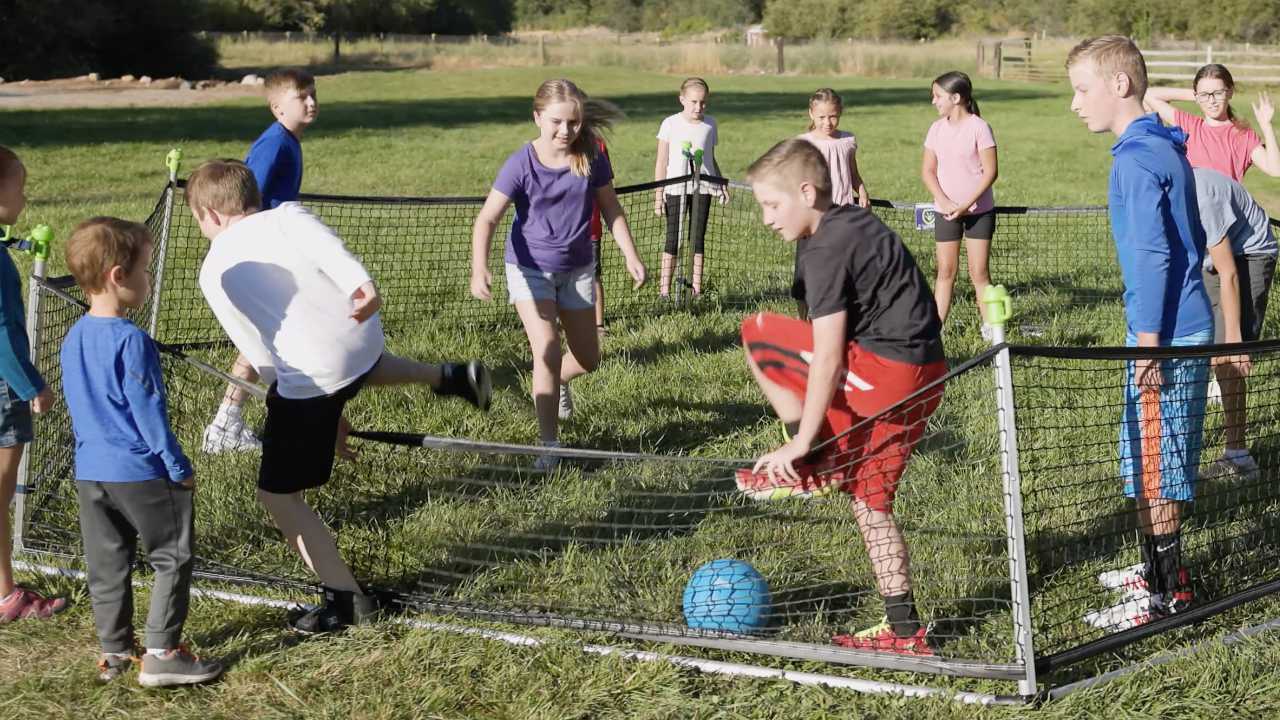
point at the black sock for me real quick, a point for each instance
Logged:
(901, 611)
(792, 428)
(1168, 567)
(453, 377)
(1148, 558)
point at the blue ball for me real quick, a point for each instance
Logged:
(727, 595)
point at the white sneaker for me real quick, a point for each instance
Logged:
(1132, 611)
(1215, 392)
(987, 332)
(1130, 580)
(566, 403)
(1242, 466)
(224, 438)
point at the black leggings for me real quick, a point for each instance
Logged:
(697, 206)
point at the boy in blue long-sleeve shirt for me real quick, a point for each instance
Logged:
(1160, 244)
(132, 479)
(275, 159)
(22, 391)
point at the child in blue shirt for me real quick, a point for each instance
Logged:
(22, 390)
(1160, 244)
(275, 159)
(132, 479)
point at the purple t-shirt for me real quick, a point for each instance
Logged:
(553, 211)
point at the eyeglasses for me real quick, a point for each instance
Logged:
(1215, 95)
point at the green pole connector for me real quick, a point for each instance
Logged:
(172, 161)
(686, 147)
(41, 239)
(999, 304)
(697, 157)
(6, 232)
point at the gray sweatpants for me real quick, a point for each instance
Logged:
(113, 517)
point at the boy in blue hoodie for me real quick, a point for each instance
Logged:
(1160, 244)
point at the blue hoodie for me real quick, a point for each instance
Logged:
(1155, 221)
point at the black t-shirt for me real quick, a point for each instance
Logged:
(855, 263)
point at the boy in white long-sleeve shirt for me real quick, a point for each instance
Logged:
(304, 312)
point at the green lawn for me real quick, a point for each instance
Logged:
(622, 536)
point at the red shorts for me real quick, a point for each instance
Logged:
(872, 445)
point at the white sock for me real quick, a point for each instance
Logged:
(118, 656)
(158, 652)
(228, 415)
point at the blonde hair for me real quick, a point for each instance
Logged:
(286, 80)
(225, 186)
(790, 163)
(9, 163)
(824, 95)
(1113, 54)
(695, 82)
(101, 243)
(596, 117)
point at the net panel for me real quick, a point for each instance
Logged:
(1083, 533)
(607, 543)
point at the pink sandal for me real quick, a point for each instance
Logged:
(24, 604)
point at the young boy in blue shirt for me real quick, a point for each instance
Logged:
(23, 391)
(275, 159)
(1160, 244)
(132, 479)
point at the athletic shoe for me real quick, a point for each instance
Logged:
(1214, 396)
(24, 604)
(1132, 611)
(566, 403)
(112, 666)
(1242, 466)
(176, 667)
(882, 638)
(341, 608)
(477, 386)
(815, 481)
(1132, 579)
(237, 437)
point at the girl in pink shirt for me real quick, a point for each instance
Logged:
(959, 169)
(838, 147)
(1219, 140)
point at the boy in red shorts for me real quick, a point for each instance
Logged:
(872, 340)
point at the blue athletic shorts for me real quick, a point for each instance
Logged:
(1162, 432)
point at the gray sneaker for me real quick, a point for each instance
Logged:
(112, 666)
(176, 667)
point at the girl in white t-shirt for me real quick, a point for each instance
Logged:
(838, 147)
(959, 169)
(694, 126)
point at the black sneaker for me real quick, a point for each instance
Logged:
(176, 667)
(341, 608)
(112, 666)
(471, 382)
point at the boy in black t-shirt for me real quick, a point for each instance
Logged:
(872, 340)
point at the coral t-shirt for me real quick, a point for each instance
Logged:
(1226, 148)
(958, 147)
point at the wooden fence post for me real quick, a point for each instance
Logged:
(999, 59)
(782, 63)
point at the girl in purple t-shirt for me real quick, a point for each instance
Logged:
(959, 170)
(554, 183)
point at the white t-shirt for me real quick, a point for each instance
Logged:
(280, 283)
(701, 136)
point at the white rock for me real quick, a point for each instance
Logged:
(261, 81)
(145, 79)
(127, 78)
(184, 85)
(92, 77)
(250, 79)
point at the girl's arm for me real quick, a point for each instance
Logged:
(1267, 155)
(613, 216)
(659, 174)
(855, 177)
(990, 170)
(1157, 100)
(929, 174)
(481, 235)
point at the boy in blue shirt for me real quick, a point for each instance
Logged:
(132, 479)
(23, 391)
(1160, 244)
(275, 159)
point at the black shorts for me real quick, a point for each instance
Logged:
(973, 227)
(1255, 273)
(298, 439)
(697, 207)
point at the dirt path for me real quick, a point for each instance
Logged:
(86, 93)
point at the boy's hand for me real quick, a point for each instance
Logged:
(190, 482)
(781, 462)
(1147, 374)
(724, 195)
(864, 200)
(43, 401)
(365, 301)
(636, 268)
(481, 282)
(342, 447)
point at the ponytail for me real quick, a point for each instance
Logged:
(824, 95)
(957, 83)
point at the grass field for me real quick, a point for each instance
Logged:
(672, 384)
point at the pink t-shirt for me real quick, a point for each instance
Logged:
(959, 164)
(1225, 148)
(837, 151)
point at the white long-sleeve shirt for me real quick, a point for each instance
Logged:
(280, 283)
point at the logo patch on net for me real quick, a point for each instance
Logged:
(924, 215)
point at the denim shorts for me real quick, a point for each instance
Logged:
(571, 290)
(15, 418)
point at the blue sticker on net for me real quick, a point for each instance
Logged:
(924, 215)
